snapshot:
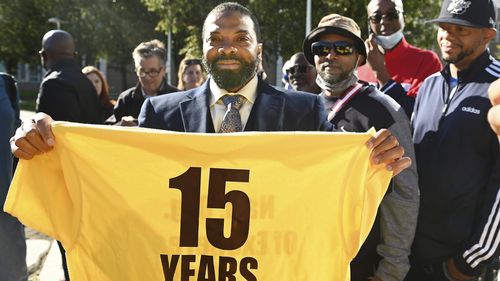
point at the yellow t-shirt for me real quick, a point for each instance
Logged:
(140, 204)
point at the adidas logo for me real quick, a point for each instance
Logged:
(471, 110)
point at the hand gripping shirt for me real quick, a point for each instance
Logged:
(142, 204)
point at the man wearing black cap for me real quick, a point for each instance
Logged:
(336, 49)
(457, 153)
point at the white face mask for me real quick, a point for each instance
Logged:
(388, 42)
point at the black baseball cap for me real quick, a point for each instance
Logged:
(471, 13)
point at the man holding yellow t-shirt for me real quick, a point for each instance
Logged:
(231, 53)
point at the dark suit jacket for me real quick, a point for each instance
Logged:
(273, 110)
(66, 94)
(130, 101)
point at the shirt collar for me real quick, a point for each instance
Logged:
(145, 95)
(249, 91)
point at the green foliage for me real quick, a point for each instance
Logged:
(101, 28)
(112, 28)
(417, 31)
(283, 22)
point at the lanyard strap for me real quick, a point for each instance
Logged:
(356, 89)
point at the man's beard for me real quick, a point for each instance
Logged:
(336, 84)
(459, 57)
(231, 79)
(332, 78)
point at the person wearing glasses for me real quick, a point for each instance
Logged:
(336, 49)
(149, 59)
(190, 75)
(301, 74)
(394, 65)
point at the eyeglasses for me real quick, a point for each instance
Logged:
(323, 48)
(298, 69)
(151, 73)
(391, 15)
(192, 62)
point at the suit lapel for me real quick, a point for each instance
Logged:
(195, 111)
(268, 111)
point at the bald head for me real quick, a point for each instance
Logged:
(58, 41)
(398, 4)
(57, 45)
(299, 57)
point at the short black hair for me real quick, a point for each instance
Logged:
(234, 7)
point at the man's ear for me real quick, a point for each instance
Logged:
(489, 34)
(259, 51)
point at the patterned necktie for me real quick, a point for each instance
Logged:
(231, 122)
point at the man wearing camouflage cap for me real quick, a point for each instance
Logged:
(336, 49)
(457, 153)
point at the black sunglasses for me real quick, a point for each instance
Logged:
(192, 62)
(323, 48)
(391, 15)
(298, 69)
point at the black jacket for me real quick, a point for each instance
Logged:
(66, 94)
(458, 164)
(130, 101)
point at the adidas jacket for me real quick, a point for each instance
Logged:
(458, 165)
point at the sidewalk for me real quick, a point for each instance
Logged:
(42, 257)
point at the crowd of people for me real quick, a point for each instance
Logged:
(439, 123)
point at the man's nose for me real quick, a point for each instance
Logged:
(331, 55)
(227, 49)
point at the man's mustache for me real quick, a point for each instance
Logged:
(330, 64)
(224, 57)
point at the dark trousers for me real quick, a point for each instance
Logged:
(63, 258)
(435, 272)
(428, 272)
(364, 264)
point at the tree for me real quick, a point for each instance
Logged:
(21, 23)
(112, 28)
(283, 22)
(101, 28)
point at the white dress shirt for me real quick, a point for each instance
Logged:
(218, 109)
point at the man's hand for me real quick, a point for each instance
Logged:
(386, 150)
(455, 273)
(376, 60)
(33, 137)
(494, 113)
(375, 278)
